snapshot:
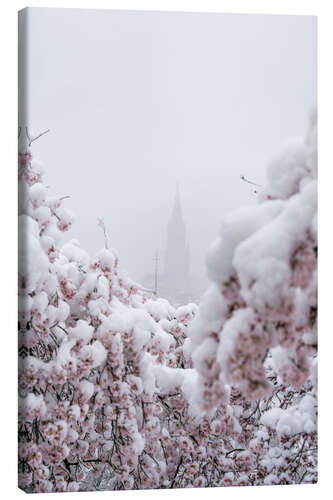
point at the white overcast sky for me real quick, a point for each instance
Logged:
(138, 100)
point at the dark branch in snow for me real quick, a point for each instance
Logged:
(33, 139)
(249, 182)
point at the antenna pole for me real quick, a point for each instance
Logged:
(156, 259)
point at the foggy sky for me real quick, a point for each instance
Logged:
(136, 101)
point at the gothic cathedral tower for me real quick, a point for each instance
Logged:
(176, 270)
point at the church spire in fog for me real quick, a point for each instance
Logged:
(177, 210)
(176, 271)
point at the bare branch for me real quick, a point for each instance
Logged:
(101, 224)
(27, 134)
(249, 182)
(37, 136)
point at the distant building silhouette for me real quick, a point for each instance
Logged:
(176, 278)
(173, 281)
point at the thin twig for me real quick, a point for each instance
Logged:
(249, 182)
(31, 140)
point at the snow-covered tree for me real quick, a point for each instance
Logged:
(256, 330)
(90, 340)
(115, 393)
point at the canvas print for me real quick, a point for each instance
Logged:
(167, 287)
